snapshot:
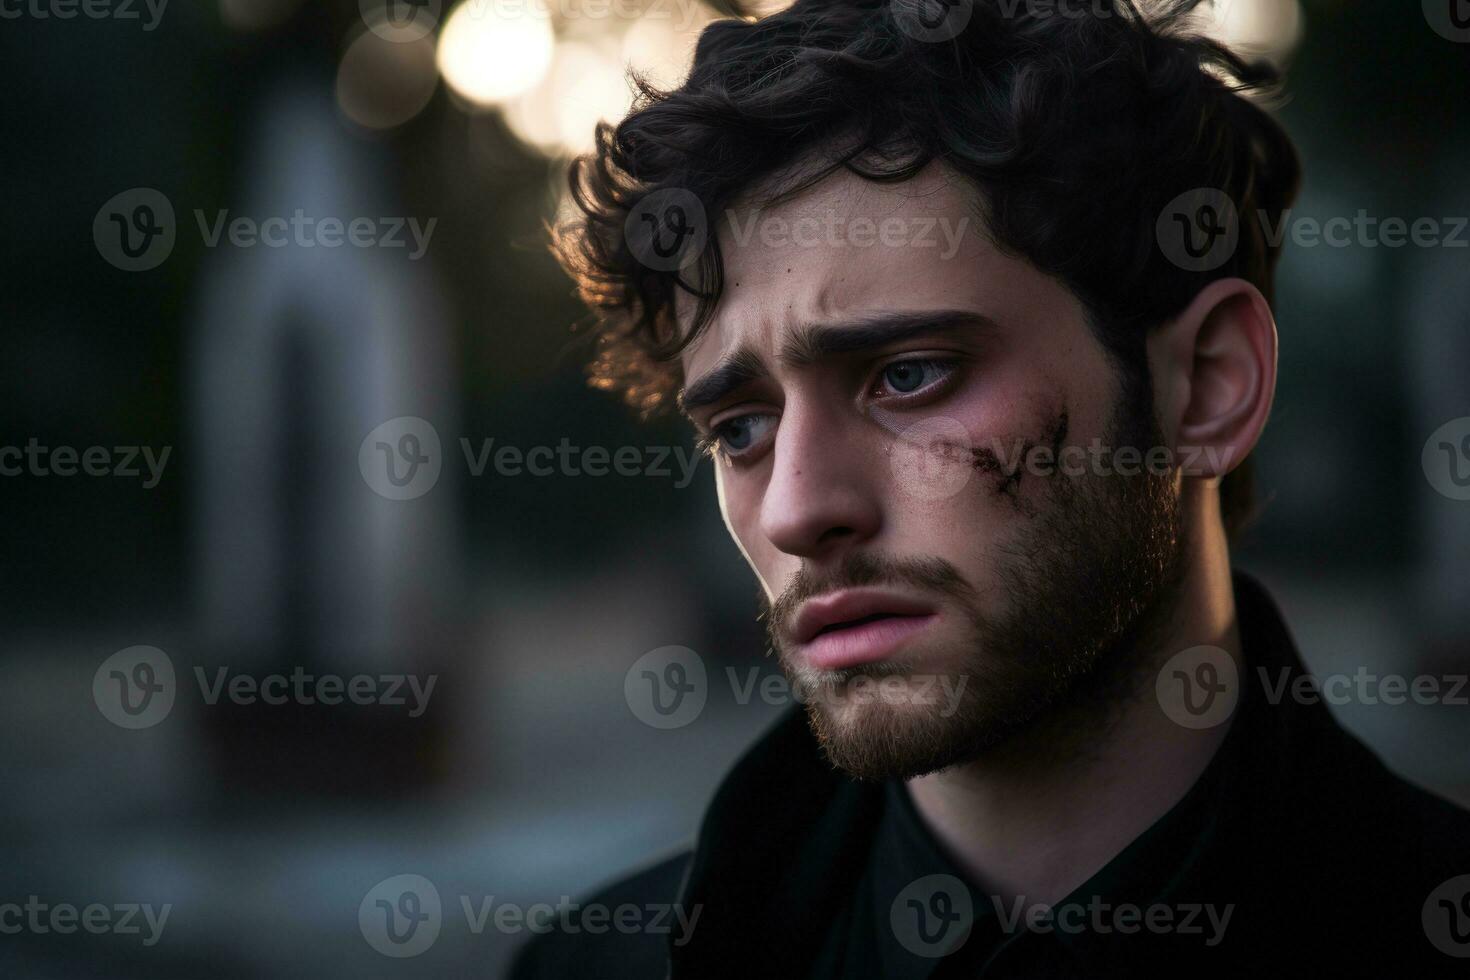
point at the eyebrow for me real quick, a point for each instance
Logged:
(811, 342)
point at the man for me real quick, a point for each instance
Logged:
(962, 300)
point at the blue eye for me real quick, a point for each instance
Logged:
(740, 433)
(905, 377)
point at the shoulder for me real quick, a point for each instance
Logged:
(1372, 850)
(1384, 809)
(620, 930)
(1432, 833)
(1413, 856)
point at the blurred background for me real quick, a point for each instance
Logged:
(269, 385)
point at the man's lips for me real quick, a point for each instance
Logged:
(855, 626)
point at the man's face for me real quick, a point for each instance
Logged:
(907, 425)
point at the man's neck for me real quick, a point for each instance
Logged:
(1024, 823)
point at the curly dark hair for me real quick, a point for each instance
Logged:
(1076, 124)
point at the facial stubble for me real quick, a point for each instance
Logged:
(1090, 574)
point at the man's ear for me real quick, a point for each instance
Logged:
(1214, 370)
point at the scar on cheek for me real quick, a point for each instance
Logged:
(1006, 471)
(1005, 461)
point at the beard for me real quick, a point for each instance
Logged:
(1092, 573)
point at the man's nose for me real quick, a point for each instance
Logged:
(822, 498)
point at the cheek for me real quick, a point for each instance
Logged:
(973, 475)
(739, 498)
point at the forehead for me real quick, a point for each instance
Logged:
(849, 246)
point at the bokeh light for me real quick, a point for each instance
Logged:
(383, 83)
(662, 49)
(487, 56)
(256, 15)
(587, 83)
(1262, 28)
